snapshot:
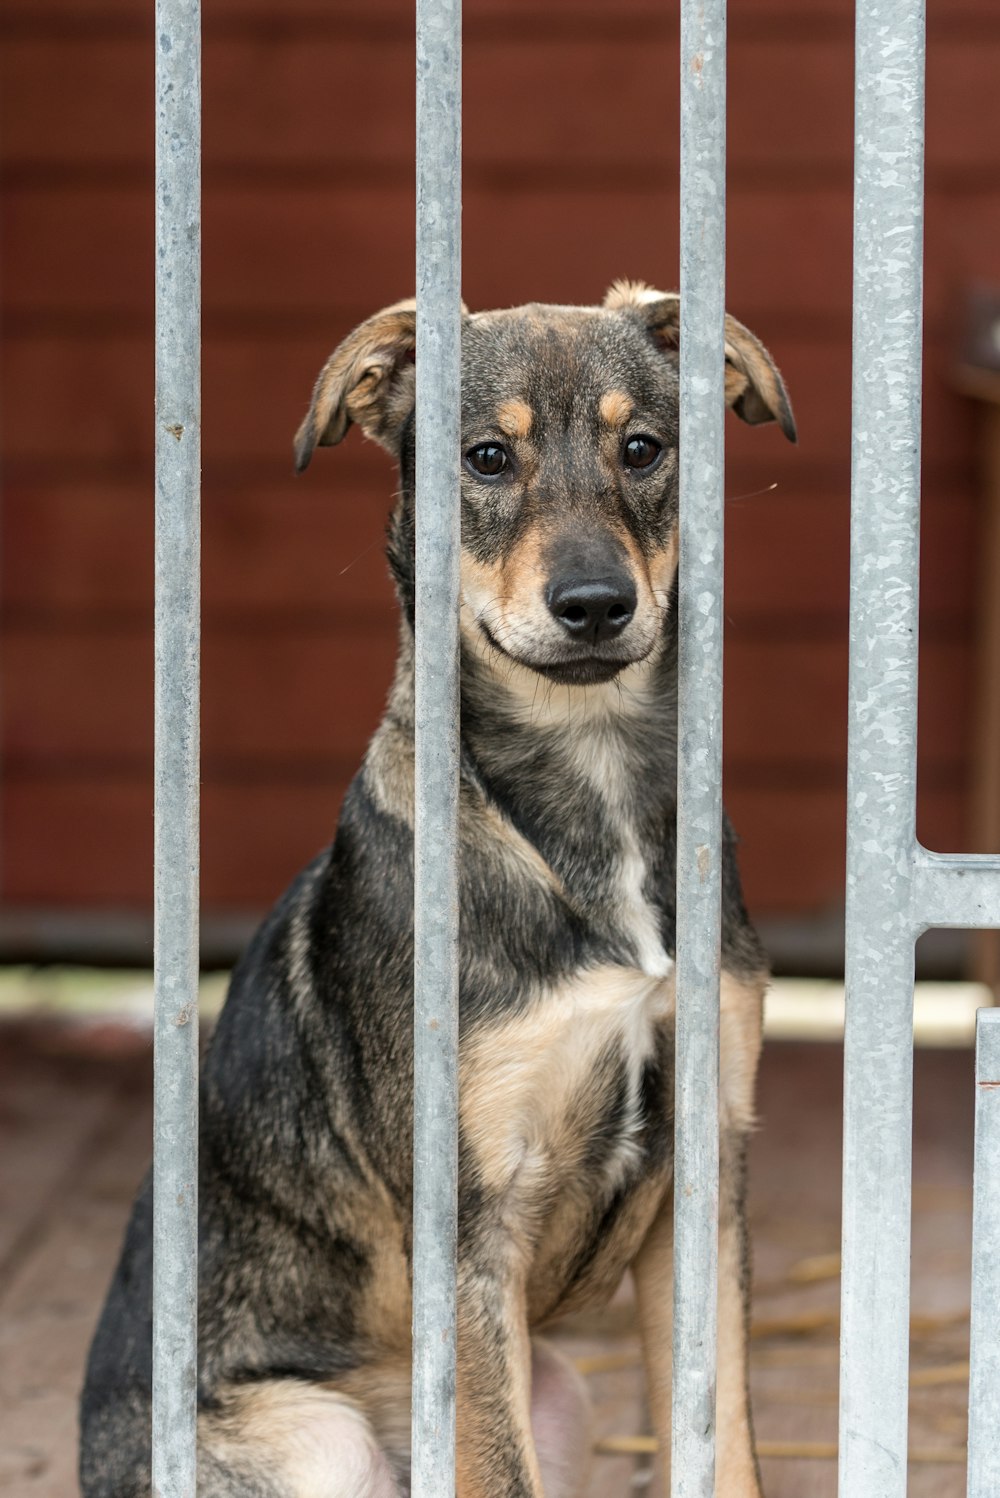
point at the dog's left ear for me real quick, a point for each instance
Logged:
(369, 379)
(754, 387)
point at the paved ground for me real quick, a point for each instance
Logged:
(74, 1132)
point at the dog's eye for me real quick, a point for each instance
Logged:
(487, 458)
(641, 452)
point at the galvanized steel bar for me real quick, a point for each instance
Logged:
(699, 772)
(955, 889)
(984, 1352)
(888, 235)
(438, 432)
(178, 470)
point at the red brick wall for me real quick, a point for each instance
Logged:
(570, 170)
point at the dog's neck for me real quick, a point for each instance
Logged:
(586, 775)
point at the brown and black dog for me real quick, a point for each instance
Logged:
(567, 811)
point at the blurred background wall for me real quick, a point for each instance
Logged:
(570, 181)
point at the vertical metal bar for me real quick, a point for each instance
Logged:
(984, 1384)
(888, 240)
(699, 773)
(178, 470)
(438, 432)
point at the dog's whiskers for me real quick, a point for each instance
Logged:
(753, 494)
(363, 553)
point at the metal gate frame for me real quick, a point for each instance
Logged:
(895, 888)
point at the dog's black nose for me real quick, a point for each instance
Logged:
(593, 608)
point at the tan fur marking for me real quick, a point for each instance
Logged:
(363, 381)
(515, 418)
(653, 1274)
(483, 1383)
(389, 763)
(753, 379)
(533, 1070)
(482, 582)
(298, 1433)
(627, 293)
(662, 567)
(508, 597)
(385, 1308)
(642, 571)
(742, 1012)
(735, 1469)
(513, 846)
(741, 1005)
(615, 408)
(522, 569)
(736, 384)
(736, 1475)
(382, 1391)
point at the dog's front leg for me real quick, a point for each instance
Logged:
(741, 1012)
(495, 1449)
(736, 1472)
(653, 1272)
(736, 1462)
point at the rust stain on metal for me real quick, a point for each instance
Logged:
(697, 63)
(176, 431)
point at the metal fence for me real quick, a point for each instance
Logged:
(435, 1009)
(896, 889)
(699, 748)
(178, 533)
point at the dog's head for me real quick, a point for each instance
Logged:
(569, 469)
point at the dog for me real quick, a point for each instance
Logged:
(569, 510)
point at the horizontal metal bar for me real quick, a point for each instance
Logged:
(435, 1019)
(955, 889)
(984, 1383)
(699, 769)
(176, 883)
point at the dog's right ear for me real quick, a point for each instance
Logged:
(754, 387)
(369, 379)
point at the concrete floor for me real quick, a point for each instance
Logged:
(74, 1138)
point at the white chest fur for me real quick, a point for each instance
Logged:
(596, 753)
